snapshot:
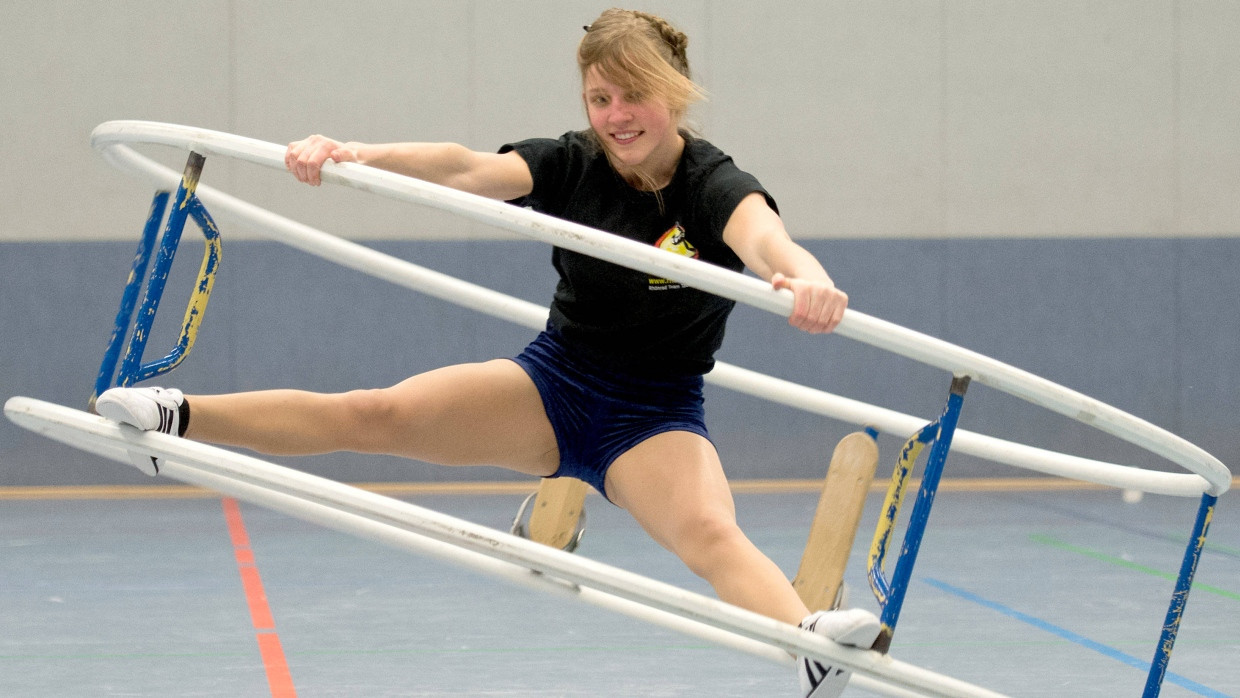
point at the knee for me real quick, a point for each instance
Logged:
(710, 544)
(370, 417)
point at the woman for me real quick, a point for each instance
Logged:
(611, 392)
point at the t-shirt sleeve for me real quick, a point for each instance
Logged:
(717, 194)
(550, 163)
(723, 190)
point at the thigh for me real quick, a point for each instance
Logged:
(473, 414)
(674, 486)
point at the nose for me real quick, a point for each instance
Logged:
(618, 112)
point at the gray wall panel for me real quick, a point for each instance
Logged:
(1209, 133)
(957, 165)
(878, 119)
(851, 145)
(67, 66)
(1060, 118)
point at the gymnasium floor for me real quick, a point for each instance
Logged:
(1026, 592)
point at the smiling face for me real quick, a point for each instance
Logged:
(639, 132)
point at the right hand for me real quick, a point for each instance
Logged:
(305, 158)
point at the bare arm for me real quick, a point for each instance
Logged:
(757, 235)
(486, 174)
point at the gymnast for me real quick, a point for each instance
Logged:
(611, 391)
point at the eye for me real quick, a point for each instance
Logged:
(636, 97)
(599, 100)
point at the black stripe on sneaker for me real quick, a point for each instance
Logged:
(815, 677)
(817, 673)
(165, 420)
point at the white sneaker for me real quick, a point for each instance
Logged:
(854, 627)
(148, 409)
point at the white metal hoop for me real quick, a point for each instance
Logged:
(1207, 474)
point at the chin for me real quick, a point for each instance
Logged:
(629, 158)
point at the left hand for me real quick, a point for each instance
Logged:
(818, 306)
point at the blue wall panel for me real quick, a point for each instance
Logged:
(1147, 325)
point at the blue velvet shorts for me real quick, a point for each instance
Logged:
(599, 413)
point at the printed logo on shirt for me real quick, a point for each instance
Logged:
(673, 240)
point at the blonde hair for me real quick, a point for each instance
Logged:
(640, 52)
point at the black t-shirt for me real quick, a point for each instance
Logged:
(620, 316)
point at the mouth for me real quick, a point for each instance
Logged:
(626, 137)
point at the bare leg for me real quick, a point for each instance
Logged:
(472, 414)
(674, 486)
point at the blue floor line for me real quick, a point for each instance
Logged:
(1066, 634)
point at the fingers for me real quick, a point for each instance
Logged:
(818, 306)
(305, 158)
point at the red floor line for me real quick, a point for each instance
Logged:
(279, 678)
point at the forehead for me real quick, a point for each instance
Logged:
(596, 81)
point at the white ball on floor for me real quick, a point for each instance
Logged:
(1133, 496)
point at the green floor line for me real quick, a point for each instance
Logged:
(1210, 546)
(143, 656)
(1111, 559)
